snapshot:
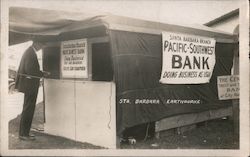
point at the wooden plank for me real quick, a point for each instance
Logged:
(104, 39)
(165, 133)
(90, 40)
(223, 38)
(183, 129)
(188, 119)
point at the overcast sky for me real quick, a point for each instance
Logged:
(170, 11)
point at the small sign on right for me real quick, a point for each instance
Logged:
(228, 87)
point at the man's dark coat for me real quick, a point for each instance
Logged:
(29, 70)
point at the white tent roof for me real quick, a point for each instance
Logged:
(28, 22)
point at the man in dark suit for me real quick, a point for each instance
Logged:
(27, 82)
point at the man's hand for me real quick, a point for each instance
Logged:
(46, 73)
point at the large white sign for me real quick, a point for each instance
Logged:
(74, 59)
(187, 59)
(228, 87)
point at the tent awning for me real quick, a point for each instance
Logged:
(28, 23)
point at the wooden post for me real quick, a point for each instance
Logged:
(236, 102)
(157, 135)
(236, 119)
(118, 144)
(157, 132)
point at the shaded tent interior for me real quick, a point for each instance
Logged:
(128, 52)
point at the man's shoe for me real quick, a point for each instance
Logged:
(31, 135)
(27, 138)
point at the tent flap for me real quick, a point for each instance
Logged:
(141, 98)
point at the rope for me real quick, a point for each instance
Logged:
(75, 105)
(44, 109)
(110, 101)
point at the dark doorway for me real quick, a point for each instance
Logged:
(101, 62)
(51, 61)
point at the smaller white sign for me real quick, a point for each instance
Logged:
(74, 59)
(228, 87)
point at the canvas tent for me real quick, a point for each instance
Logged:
(129, 55)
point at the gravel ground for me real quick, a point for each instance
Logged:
(215, 134)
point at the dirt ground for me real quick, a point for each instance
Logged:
(215, 134)
(43, 141)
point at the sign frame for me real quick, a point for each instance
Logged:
(85, 74)
(227, 87)
(199, 52)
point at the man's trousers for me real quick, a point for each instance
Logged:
(27, 113)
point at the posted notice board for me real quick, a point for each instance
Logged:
(187, 59)
(74, 59)
(228, 87)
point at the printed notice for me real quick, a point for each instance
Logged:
(74, 59)
(187, 59)
(228, 87)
